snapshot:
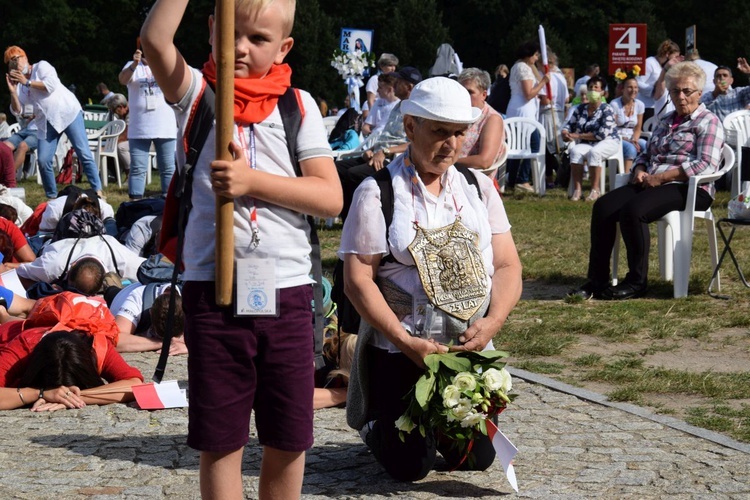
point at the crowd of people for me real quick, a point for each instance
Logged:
(87, 294)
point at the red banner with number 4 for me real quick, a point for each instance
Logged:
(627, 47)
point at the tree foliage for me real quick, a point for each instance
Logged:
(89, 41)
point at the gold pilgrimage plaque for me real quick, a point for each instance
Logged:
(451, 268)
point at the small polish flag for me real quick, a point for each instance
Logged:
(9, 280)
(505, 451)
(160, 396)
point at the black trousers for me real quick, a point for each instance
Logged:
(634, 207)
(391, 377)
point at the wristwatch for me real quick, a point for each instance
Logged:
(27, 84)
(386, 151)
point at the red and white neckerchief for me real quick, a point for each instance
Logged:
(252, 163)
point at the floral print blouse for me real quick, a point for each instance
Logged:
(602, 123)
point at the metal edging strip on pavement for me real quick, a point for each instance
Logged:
(630, 408)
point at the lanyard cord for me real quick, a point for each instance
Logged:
(415, 182)
(252, 163)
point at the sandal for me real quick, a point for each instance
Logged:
(593, 195)
(576, 196)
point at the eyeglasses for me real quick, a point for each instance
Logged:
(677, 92)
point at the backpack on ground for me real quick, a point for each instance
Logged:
(130, 212)
(348, 317)
(178, 205)
(79, 223)
(156, 269)
(71, 169)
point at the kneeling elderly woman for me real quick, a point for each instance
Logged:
(686, 142)
(445, 270)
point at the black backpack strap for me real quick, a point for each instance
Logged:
(385, 185)
(291, 117)
(199, 125)
(112, 253)
(471, 178)
(148, 297)
(67, 262)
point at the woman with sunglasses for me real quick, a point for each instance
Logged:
(686, 142)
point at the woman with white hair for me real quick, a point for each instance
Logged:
(686, 142)
(118, 109)
(484, 142)
(432, 201)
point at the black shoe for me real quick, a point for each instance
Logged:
(624, 291)
(585, 292)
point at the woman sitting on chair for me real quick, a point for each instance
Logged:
(686, 142)
(592, 127)
(629, 117)
(484, 142)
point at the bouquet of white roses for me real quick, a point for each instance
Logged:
(457, 394)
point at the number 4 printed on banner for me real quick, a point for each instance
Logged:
(629, 41)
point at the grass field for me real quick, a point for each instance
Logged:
(686, 357)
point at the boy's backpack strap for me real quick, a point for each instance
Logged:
(199, 125)
(292, 112)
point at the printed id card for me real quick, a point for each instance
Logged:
(150, 101)
(256, 293)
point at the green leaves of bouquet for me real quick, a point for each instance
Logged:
(457, 394)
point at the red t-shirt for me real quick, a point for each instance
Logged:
(16, 236)
(16, 346)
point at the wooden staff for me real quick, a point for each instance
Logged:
(224, 33)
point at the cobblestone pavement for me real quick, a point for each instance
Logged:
(569, 447)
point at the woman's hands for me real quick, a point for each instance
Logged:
(60, 398)
(646, 180)
(478, 335)
(417, 349)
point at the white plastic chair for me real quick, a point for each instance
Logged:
(330, 122)
(106, 147)
(518, 137)
(612, 173)
(648, 127)
(675, 232)
(12, 129)
(737, 129)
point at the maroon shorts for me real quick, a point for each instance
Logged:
(249, 363)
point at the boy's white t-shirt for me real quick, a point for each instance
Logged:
(144, 123)
(284, 233)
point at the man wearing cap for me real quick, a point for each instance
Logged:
(444, 238)
(392, 140)
(36, 89)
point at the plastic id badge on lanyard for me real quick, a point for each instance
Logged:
(256, 293)
(255, 287)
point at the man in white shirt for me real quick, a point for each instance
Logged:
(708, 67)
(57, 257)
